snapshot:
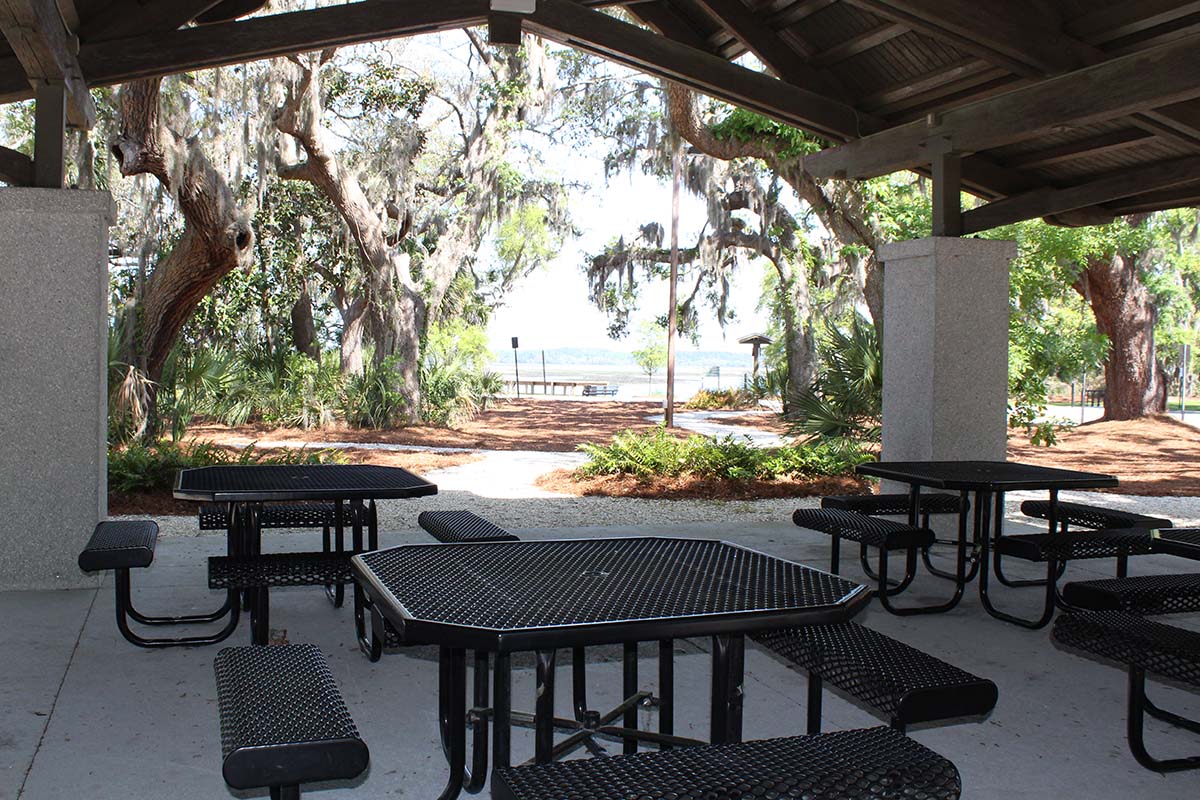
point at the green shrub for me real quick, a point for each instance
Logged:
(845, 399)
(139, 468)
(374, 399)
(708, 400)
(659, 454)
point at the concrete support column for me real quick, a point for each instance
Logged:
(945, 366)
(53, 382)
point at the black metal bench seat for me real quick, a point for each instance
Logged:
(897, 680)
(1082, 515)
(122, 545)
(283, 721)
(885, 536)
(873, 762)
(1056, 550)
(1144, 594)
(449, 527)
(893, 505)
(1143, 646)
(315, 514)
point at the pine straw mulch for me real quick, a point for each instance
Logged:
(1156, 456)
(564, 481)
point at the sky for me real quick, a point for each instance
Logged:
(550, 308)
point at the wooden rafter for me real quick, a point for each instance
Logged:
(1081, 148)
(226, 43)
(1126, 19)
(1046, 202)
(766, 45)
(1117, 88)
(46, 52)
(124, 18)
(568, 23)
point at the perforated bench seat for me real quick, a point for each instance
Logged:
(1143, 646)
(1073, 545)
(450, 527)
(896, 679)
(283, 720)
(852, 526)
(1144, 594)
(1158, 648)
(889, 505)
(279, 569)
(874, 762)
(1082, 515)
(214, 516)
(120, 544)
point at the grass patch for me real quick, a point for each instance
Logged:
(732, 399)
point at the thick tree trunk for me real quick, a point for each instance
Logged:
(217, 236)
(799, 346)
(351, 341)
(1133, 381)
(304, 332)
(391, 289)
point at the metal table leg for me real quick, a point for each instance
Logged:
(728, 656)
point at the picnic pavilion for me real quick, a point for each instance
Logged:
(1075, 111)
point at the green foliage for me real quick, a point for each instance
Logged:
(455, 384)
(659, 454)
(709, 399)
(651, 355)
(746, 126)
(140, 468)
(845, 399)
(374, 399)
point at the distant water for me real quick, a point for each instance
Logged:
(631, 380)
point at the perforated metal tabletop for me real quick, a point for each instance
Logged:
(995, 476)
(507, 596)
(259, 482)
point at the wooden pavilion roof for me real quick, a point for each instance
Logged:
(1076, 110)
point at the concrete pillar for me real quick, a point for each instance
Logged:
(945, 366)
(53, 382)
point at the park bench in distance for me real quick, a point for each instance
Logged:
(598, 389)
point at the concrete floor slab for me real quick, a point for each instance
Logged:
(134, 723)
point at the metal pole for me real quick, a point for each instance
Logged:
(545, 385)
(516, 369)
(672, 321)
(1082, 396)
(1183, 380)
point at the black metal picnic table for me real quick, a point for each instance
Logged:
(989, 481)
(353, 488)
(504, 597)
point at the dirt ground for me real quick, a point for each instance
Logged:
(1152, 456)
(547, 425)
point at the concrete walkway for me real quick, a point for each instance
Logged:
(87, 715)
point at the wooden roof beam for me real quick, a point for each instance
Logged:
(46, 51)
(764, 42)
(804, 107)
(124, 18)
(1127, 85)
(1178, 197)
(1014, 34)
(1093, 145)
(1126, 19)
(1046, 202)
(226, 43)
